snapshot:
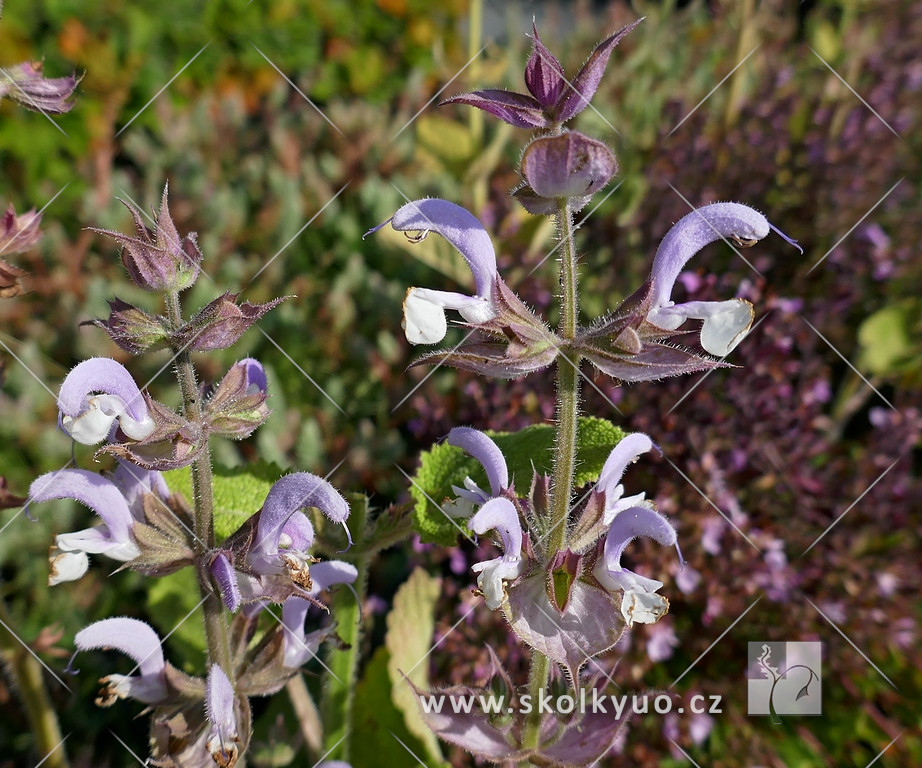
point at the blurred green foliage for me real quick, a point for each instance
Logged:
(281, 190)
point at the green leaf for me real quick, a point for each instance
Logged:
(885, 338)
(410, 626)
(170, 601)
(378, 723)
(531, 448)
(239, 492)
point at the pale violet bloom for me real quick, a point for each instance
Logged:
(725, 323)
(299, 647)
(639, 601)
(222, 718)
(424, 319)
(275, 562)
(500, 515)
(627, 451)
(137, 640)
(69, 555)
(98, 394)
(481, 447)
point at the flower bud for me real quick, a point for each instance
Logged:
(133, 329)
(158, 260)
(221, 324)
(569, 165)
(238, 405)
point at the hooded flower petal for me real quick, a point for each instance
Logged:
(289, 494)
(424, 309)
(219, 706)
(501, 515)
(138, 641)
(482, 448)
(627, 451)
(95, 395)
(271, 548)
(639, 602)
(114, 539)
(726, 322)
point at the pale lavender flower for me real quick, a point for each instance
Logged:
(500, 515)
(98, 394)
(725, 323)
(639, 602)
(138, 641)
(220, 711)
(69, 555)
(299, 648)
(626, 452)
(424, 309)
(273, 561)
(481, 447)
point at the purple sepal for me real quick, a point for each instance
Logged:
(544, 75)
(577, 97)
(514, 108)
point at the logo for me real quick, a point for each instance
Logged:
(785, 679)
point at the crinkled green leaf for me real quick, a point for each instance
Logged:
(239, 492)
(445, 465)
(410, 626)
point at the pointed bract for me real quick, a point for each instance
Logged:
(514, 108)
(133, 329)
(159, 261)
(544, 76)
(576, 97)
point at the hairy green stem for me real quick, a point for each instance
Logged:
(216, 630)
(26, 674)
(565, 447)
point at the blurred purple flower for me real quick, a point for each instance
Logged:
(25, 84)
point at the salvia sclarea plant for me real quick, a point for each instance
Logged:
(558, 580)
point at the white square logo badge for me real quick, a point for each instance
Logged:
(785, 679)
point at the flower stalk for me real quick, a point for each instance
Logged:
(216, 631)
(565, 446)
